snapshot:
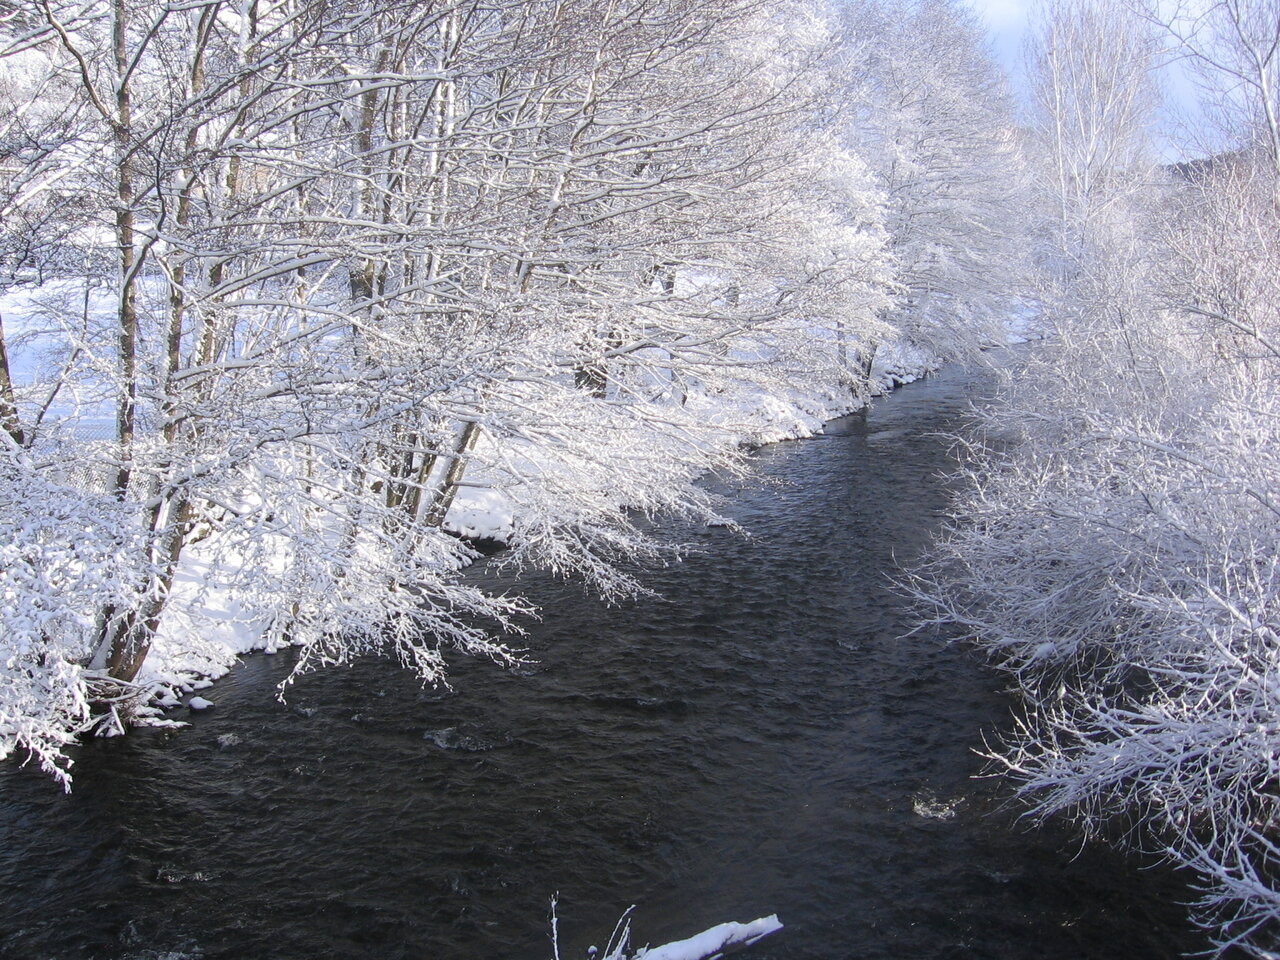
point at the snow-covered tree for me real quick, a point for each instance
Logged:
(930, 111)
(281, 279)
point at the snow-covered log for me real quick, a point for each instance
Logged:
(719, 941)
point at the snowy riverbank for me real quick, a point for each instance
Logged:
(206, 628)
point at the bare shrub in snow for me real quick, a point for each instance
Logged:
(1115, 551)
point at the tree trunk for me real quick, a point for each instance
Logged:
(127, 308)
(448, 487)
(9, 421)
(127, 639)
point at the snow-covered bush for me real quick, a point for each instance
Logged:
(65, 557)
(1115, 551)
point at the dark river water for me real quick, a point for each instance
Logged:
(760, 740)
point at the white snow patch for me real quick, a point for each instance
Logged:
(481, 513)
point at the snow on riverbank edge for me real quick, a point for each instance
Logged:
(206, 629)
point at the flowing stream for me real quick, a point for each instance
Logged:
(758, 740)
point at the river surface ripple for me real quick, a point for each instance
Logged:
(759, 740)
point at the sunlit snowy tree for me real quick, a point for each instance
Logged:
(282, 279)
(930, 110)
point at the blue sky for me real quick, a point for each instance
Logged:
(1006, 22)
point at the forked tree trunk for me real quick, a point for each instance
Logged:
(448, 487)
(127, 637)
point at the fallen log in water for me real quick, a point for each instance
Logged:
(712, 944)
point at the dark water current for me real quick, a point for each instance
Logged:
(758, 741)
